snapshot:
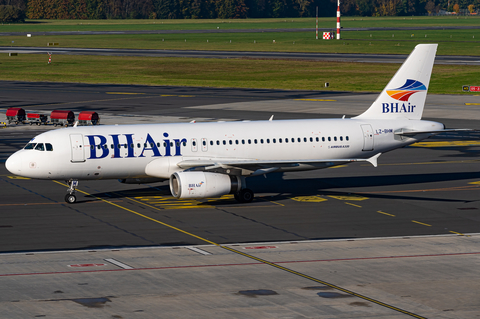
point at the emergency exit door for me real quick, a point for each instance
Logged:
(367, 137)
(76, 143)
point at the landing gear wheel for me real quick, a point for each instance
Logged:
(244, 196)
(70, 198)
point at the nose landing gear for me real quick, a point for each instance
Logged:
(70, 197)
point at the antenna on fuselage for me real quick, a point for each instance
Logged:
(271, 118)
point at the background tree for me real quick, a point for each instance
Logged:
(9, 13)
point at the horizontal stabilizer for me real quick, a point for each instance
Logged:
(413, 133)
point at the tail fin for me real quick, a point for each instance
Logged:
(405, 94)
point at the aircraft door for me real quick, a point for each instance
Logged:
(194, 145)
(76, 143)
(204, 145)
(367, 137)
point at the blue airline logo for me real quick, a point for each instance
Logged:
(402, 94)
(398, 107)
(101, 148)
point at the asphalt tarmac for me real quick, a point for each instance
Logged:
(434, 184)
(396, 241)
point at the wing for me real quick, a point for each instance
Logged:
(259, 167)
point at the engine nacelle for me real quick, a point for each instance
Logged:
(203, 184)
(141, 180)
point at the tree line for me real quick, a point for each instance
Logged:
(17, 10)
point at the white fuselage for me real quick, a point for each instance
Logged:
(124, 151)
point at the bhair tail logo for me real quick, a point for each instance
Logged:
(404, 92)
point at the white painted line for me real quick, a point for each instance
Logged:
(198, 250)
(118, 263)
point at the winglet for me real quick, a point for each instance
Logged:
(373, 160)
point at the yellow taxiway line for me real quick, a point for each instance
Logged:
(266, 262)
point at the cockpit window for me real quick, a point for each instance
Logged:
(49, 147)
(40, 147)
(30, 146)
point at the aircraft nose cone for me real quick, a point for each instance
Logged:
(14, 164)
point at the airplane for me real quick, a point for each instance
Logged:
(212, 159)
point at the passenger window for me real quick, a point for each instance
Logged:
(329, 138)
(133, 146)
(279, 140)
(40, 147)
(268, 141)
(99, 146)
(236, 142)
(211, 142)
(249, 141)
(323, 139)
(261, 140)
(335, 138)
(184, 143)
(305, 139)
(230, 142)
(171, 144)
(317, 139)
(111, 146)
(311, 139)
(138, 145)
(49, 147)
(255, 140)
(243, 141)
(224, 142)
(158, 144)
(341, 138)
(218, 142)
(346, 137)
(274, 141)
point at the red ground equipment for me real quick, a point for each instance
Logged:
(61, 117)
(34, 118)
(88, 118)
(15, 115)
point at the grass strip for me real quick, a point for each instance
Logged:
(202, 24)
(238, 73)
(452, 42)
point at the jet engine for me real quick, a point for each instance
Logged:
(203, 184)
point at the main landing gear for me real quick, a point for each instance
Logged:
(245, 195)
(70, 197)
